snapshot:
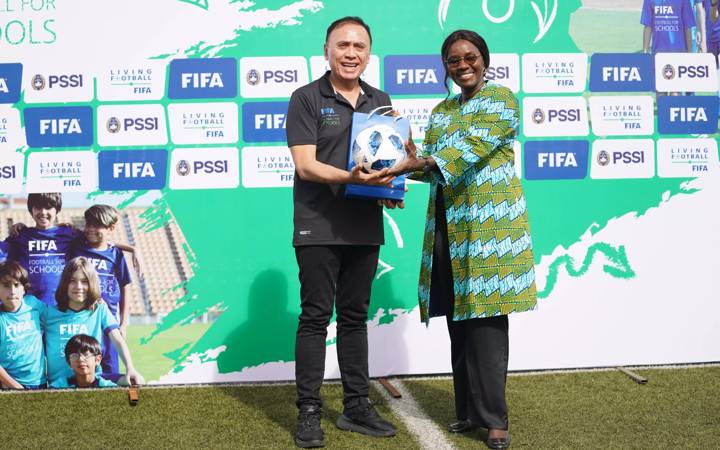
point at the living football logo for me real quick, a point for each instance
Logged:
(38, 82)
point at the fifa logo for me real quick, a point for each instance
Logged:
(668, 72)
(38, 82)
(253, 77)
(113, 125)
(603, 158)
(538, 116)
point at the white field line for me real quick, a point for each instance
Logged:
(426, 432)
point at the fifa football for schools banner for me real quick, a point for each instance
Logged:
(173, 111)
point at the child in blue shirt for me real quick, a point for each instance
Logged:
(114, 275)
(22, 356)
(80, 310)
(668, 24)
(83, 354)
(42, 250)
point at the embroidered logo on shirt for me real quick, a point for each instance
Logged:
(328, 117)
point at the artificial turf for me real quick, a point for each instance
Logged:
(239, 417)
(678, 408)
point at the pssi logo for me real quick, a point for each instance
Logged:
(264, 121)
(414, 74)
(61, 81)
(67, 126)
(538, 116)
(8, 172)
(687, 115)
(210, 169)
(547, 160)
(132, 124)
(254, 77)
(10, 80)
(122, 170)
(203, 78)
(38, 82)
(603, 158)
(668, 72)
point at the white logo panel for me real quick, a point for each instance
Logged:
(686, 158)
(622, 115)
(62, 172)
(43, 84)
(131, 125)
(371, 75)
(623, 158)
(265, 167)
(12, 165)
(418, 112)
(270, 77)
(690, 72)
(130, 82)
(203, 123)
(12, 135)
(554, 72)
(555, 116)
(204, 168)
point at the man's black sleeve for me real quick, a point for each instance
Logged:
(301, 123)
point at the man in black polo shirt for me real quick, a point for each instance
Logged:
(337, 240)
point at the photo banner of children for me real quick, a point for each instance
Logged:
(59, 282)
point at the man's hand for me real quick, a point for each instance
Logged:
(379, 178)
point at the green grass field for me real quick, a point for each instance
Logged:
(150, 358)
(677, 408)
(623, 31)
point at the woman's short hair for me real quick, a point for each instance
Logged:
(86, 268)
(466, 35)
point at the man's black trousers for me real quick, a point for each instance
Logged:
(341, 275)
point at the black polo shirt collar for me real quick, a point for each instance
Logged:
(327, 89)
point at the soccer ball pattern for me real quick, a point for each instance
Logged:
(377, 148)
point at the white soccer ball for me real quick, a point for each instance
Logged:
(377, 148)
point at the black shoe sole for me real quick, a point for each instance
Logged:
(315, 443)
(347, 424)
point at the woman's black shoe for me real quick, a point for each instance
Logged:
(498, 443)
(461, 426)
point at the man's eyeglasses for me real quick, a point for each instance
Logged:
(75, 357)
(455, 60)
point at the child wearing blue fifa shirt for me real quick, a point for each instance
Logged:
(83, 354)
(80, 310)
(668, 24)
(42, 250)
(113, 271)
(22, 356)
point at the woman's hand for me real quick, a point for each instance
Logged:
(411, 162)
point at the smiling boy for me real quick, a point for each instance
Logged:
(83, 354)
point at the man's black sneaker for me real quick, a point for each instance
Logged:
(362, 418)
(308, 433)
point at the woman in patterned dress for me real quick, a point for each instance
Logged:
(477, 261)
